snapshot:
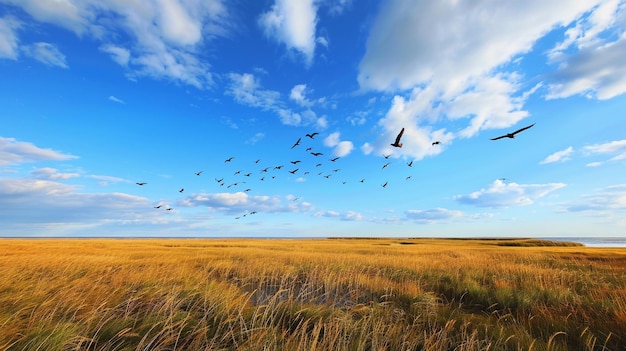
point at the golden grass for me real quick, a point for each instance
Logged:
(339, 294)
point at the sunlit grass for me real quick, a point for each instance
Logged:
(340, 294)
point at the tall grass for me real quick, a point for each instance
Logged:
(368, 294)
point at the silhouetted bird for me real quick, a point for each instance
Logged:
(278, 167)
(384, 185)
(318, 165)
(386, 165)
(181, 190)
(334, 159)
(296, 162)
(219, 180)
(257, 161)
(264, 170)
(312, 135)
(512, 135)
(410, 164)
(140, 184)
(294, 171)
(386, 156)
(229, 159)
(397, 143)
(297, 143)
(316, 154)
(362, 180)
(436, 142)
(198, 173)
(159, 206)
(308, 149)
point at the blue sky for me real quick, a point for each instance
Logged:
(97, 96)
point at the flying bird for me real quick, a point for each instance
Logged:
(198, 173)
(386, 165)
(386, 156)
(229, 159)
(308, 149)
(397, 143)
(312, 135)
(296, 162)
(436, 142)
(219, 180)
(334, 159)
(159, 206)
(410, 164)
(316, 154)
(181, 190)
(512, 135)
(294, 171)
(384, 185)
(297, 143)
(140, 184)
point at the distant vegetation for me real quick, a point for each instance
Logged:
(368, 294)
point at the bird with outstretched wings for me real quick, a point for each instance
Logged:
(397, 143)
(512, 135)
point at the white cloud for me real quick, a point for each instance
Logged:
(292, 23)
(603, 201)
(118, 54)
(613, 147)
(16, 152)
(298, 95)
(500, 194)
(114, 99)
(559, 156)
(8, 38)
(48, 173)
(46, 53)
(241, 202)
(340, 148)
(433, 215)
(246, 90)
(28, 201)
(162, 36)
(453, 60)
(590, 58)
(352, 216)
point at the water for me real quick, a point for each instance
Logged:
(596, 241)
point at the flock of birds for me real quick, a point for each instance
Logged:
(264, 173)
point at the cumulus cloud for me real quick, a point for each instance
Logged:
(16, 152)
(293, 24)
(433, 215)
(500, 194)
(340, 148)
(298, 95)
(8, 38)
(246, 89)
(455, 61)
(46, 53)
(120, 55)
(559, 156)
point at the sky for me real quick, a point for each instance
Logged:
(209, 104)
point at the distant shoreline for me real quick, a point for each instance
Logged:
(585, 241)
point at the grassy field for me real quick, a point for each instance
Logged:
(334, 294)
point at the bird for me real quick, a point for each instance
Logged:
(297, 143)
(362, 180)
(294, 171)
(159, 206)
(318, 165)
(386, 156)
(296, 162)
(397, 143)
(219, 180)
(278, 167)
(316, 154)
(264, 170)
(386, 165)
(198, 173)
(238, 172)
(181, 190)
(436, 142)
(308, 149)
(410, 164)
(141, 183)
(334, 159)
(312, 135)
(512, 135)
(408, 177)
(229, 159)
(257, 161)
(169, 209)
(384, 185)
(248, 174)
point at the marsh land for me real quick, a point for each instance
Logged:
(316, 294)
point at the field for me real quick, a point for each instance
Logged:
(326, 294)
